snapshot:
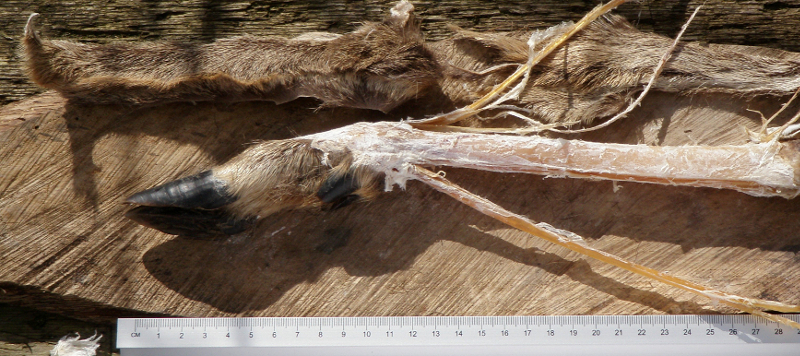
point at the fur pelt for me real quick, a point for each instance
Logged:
(382, 65)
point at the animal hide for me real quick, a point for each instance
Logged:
(377, 67)
(382, 65)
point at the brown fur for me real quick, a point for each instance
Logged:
(380, 66)
(602, 67)
(286, 174)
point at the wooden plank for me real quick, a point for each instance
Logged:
(66, 171)
(32, 107)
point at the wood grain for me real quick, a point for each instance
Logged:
(66, 170)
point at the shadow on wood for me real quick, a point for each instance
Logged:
(250, 272)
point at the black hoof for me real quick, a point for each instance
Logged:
(194, 223)
(200, 191)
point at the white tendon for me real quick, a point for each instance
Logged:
(765, 169)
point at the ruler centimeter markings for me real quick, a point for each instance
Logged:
(461, 335)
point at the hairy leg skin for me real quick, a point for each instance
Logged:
(267, 178)
(382, 65)
(378, 66)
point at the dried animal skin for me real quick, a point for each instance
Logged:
(267, 178)
(378, 66)
(604, 65)
(274, 175)
(771, 169)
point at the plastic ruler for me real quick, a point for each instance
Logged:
(460, 335)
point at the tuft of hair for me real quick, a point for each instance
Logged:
(73, 345)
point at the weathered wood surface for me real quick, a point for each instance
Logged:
(66, 169)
